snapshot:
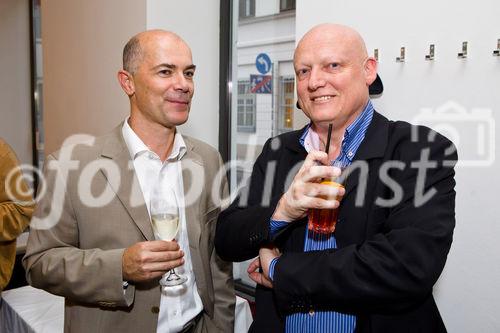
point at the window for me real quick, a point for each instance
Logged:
(286, 105)
(241, 138)
(246, 107)
(247, 8)
(287, 5)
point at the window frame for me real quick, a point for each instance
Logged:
(282, 106)
(246, 96)
(248, 4)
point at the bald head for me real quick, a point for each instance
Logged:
(138, 46)
(340, 36)
(333, 73)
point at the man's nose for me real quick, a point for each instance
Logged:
(316, 79)
(181, 82)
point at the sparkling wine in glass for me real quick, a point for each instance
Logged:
(164, 211)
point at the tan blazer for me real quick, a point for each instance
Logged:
(80, 255)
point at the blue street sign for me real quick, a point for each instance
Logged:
(261, 84)
(263, 63)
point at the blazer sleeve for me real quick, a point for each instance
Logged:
(54, 262)
(393, 269)
(244, 226)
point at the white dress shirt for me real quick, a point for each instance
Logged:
(178, 304)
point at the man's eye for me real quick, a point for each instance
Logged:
(189, 74)
(302, 72)
(334, 65)
(165, 72)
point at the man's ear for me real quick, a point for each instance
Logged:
(370, 70)
(126, 82)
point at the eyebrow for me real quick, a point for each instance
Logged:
(172, 66)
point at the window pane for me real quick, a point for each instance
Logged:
(287, 5)
(286, 104)
(246, 8)
(263, 114)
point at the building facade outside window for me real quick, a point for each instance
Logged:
(286, 104)
(247, 8)
(263, 42)
(287, 5)
(246, 108)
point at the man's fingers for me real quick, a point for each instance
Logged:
(163, 266)
(324, 191)
(315, 157)
(256, 277)
(259, 278)
(254, 265)
(163, 256)
(319, 203)
(160, 245)
(317, 172)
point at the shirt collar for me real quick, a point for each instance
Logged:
(137, 147)
(357, 126)
(353, 135)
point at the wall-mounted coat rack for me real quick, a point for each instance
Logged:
(401, 57)
(463, 54)
(430, 56)
(497, 51)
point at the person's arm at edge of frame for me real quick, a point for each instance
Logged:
(15, 213)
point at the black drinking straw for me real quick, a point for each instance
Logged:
(328, 138)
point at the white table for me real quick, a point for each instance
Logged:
(27, 310)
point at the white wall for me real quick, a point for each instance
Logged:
(82, 47)
(468, 292)
(198, 24)
(15, 78)
(82, 44)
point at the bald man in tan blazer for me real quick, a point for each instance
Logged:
(92, 240)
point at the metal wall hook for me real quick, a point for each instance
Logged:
(497, 51)
(430, 56)
(375, 54)
(463, 54)
(401, 57)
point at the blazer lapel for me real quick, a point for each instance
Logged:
(190, 162)
(352, 223)
(192, 169)
(373, 146)
(129, 191)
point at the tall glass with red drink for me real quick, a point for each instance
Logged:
(323, 221)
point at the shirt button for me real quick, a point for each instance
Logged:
(311, 312)
(350, 154)
(155, 309)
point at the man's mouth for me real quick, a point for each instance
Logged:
(322, 98)
(178, 101)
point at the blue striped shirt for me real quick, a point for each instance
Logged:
(326, 321)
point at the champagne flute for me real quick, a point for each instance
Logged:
(164, 210)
